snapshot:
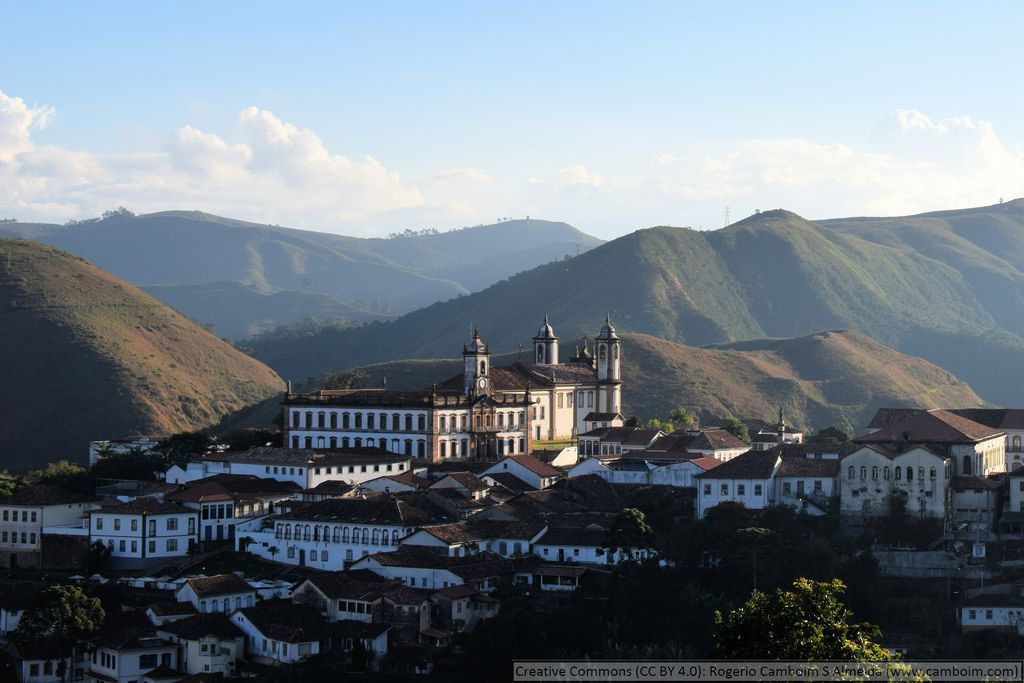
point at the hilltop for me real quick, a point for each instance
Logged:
(774, 274)
(189, 255)
(84, 355)
(818, 379)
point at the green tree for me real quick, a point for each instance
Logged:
(830, 435)
(634, 422)
(8, 483)
(62, 612)
(735, 427)
(64, 474)
(629, 530)
(666, 427)
(807, 623)
(682, 418)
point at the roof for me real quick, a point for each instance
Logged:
(171, 609)
(198, 625)
(456, 592)
(475, 566)
(994, 600)
(40, 495)
(808, 467)
(232, 486)
(409, 479)
(602, 417)
(560, 570)
(749, 465)
(538, 467)
(143, 506)
(706, 463)
(341, 585)
(332, 487)
(711, 439)
(163, 673)
(350, 628)
(594, 538)
(521, 376)
(465, 479)
(131, 638)
(932, 426)
(407, 508)
(482, 529)
(510, 481)
(286, 621)
(221, 584)
(309, 457)
(976, 483)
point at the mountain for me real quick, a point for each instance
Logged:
(233, 306)
(84, 355)
(819, 379)
(773, 274)
(382, 276)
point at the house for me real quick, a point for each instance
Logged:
(15, 598)
(765, 435)
(161, 613)
(709, 443)
(564, 577)
(332, 533)
(280, 632)
(306, 467)
(504, 538)
(128, 655)
(530, 470)
(585, 545)
(220, 593)
(992, 612)
(746, 479)
(466, 484)
(806, 484)
(226, 500)
(345, 634)
(36, 661)
(207, 643)
(871, 475)
(344, 596)
(645, 468)
(28, 514)
(144, 532)
(976, 501)
(593, 420)
(423, 567)
(396, 483)
(616, 440)
(460, 608)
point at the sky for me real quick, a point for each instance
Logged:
(375, 117)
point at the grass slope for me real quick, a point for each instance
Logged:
(819, 379)
(84, 355)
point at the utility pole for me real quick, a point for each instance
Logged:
(726, 217)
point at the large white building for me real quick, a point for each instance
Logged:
(485, 412)
(144, 532)
(25, 516)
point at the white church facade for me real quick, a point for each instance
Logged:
(484, 413)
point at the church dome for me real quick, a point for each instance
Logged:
(607, 331)
(476, 345)
(546, 331)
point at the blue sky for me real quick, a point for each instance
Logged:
(367, 118)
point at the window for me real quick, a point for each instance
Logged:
(886, 473)
(817, 484)
(849, 472)
(99, 520)
(725, 489)
(707, 489)
(786, 488)
(972, 614)
(291, 552)
(874, 473)
(863, 472)
(899, 473)
(741, 489)
(910, 473)
(151, 546)
(117, 524)
(172, 545)
(931, 474)
(757, 489)
(967, 465)
(172, 523)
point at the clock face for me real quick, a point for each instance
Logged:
(481, 383)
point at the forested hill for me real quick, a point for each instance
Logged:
(84, 355)
(773, 274)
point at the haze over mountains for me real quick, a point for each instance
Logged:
(946, 287)
(281, 275)
(84, 355)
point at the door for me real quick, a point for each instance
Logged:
(302, 557)
(561, 554)
(800, 487)
(208, 531)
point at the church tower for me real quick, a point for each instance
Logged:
(609, 379)
(545, 345)
(476, 374)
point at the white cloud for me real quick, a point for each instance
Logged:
(462, 175)
(17, 120)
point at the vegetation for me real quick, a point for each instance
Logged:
(735, 427)
(807, 623)
(65, 613)
(117, 361)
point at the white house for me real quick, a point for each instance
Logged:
(396, 483)
(339, 596)
(530, 470)
(504, 538)
(304, 466)
(220, 593)
(992, 611)
(280, 632)
(423, 567)
(616, 440)
(25, 516)
(226, 500)
(144, 532)
(746, 479)
(806, 484)
(461, 608)
(207, 643)
(641, 468)
(39, 661)
(332, 533)
(872, 474)
(128, 655)
(587, 546)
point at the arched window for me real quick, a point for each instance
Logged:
(465, 448)
(346, 420)
(422, 423)
(334, 442)
(359, 420)
(321, 442)
(501, 419)
(214, 605)
(920, 474)
(316, 533)
(863, 472)
(522, 445)
(313, 555)
(899, 474)
(967, 465)
(321, 420)
(1016, 443)
(370, 418)
(383, 422)
(358, 442)
(421, 449)
(931, 474)
(296, 419)
(309, 420)
(444, 449)
(910, 473)
(366, 536)
(336, 535)
(355, 535)
(370, 443)
(874, 473)
(408, 423)
(394, 537)
(463, 423)
(325, 533)
(455, 449)
(395, 445)
(344, 534)
(849, 472)
(517, 548)
(376, 536)
(344, 442)
(396, 422)
(502, 548)
(287, 531)
(886, 473)
(443, 424)
(309, 442)
(323, 555)
(334, 420)
(408, 447)
(483, 367)
(295, 442)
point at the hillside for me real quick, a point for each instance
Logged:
(378, 276)
(84, 355)
(819, 379)
(773, 274)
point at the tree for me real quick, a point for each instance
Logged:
(682, 418)
(807, 623)
(655, 424)
(182, 447)
(62, 612)
(735, 427)
(63, 474)
(8, 483)
(629, 529)
(273, 550)
(633, 422)
(96, 557)
(830, 435)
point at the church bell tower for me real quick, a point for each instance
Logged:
(545, 345)
(609, 360)
(476, 374)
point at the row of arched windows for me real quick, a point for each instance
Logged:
(886, 472)
(337, 534)
(355, 420)
(409, 447)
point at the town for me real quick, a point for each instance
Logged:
(423, 531)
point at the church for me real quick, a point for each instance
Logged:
(484, 413)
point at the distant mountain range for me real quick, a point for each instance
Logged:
(84, 355)
(947, 286)
(281, 275)
(819, 379)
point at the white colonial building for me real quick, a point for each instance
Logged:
(872, 474)
(25, 516)
(747, 479)
(144, 532)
